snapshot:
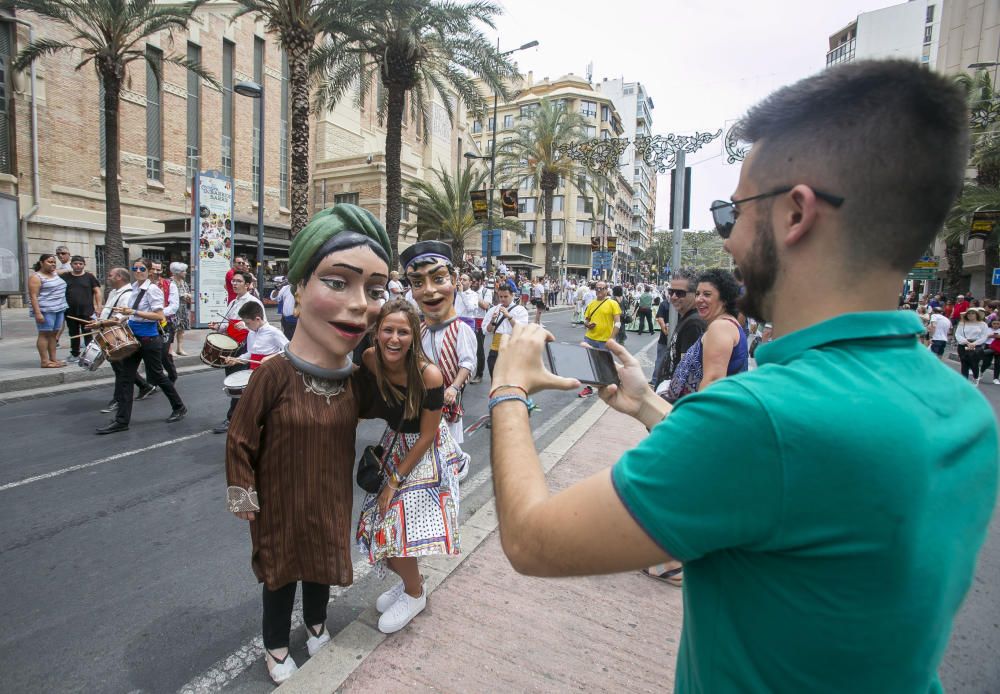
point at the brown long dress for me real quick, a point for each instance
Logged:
(296, 449)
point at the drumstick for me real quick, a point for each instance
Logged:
(80, 320)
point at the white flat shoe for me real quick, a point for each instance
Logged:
(280, 670)
(401, 612)
(316, 642)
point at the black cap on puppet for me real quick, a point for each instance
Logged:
(423, 252)
(336, 228)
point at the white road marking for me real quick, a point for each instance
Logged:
(227, 669)
(102, 461)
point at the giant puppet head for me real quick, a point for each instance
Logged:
(339, 266)
(432, 276)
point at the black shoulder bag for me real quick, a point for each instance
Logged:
(371, 470)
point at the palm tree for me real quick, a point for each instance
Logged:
(298, 24)
(420, 47)
(110, 35)
(443, 208)
(534, 153)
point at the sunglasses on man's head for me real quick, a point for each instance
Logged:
(679, 293)
(724, 213)
(138, 268)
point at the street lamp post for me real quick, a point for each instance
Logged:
(256, 91)
(493, 162)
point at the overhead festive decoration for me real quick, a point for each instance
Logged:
(597, 155)
(658, 151)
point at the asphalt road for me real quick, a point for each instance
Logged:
(127, 574)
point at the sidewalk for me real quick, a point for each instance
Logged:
(22, 378)
(489, 629)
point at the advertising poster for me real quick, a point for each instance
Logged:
(212, 244)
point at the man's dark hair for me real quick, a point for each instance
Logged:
(888, 136)
(725, 284)
(504, 287)
(247, 277)
(685, 274)
(77, 259)
(251, 310)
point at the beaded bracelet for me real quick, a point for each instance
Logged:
(505, 398)
(509, 385)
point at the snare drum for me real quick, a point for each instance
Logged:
(217, 346)
(235, 383)
(93, 357)
(117, 341)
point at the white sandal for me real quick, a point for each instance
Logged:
(316, 640)
(283, 669)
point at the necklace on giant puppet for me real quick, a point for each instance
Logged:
(318, 380)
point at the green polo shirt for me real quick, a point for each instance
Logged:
(828, 506)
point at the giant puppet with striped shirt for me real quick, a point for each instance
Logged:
(446, 340)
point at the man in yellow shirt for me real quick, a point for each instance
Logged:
(602, 318)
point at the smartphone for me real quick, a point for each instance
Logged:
(590, 366)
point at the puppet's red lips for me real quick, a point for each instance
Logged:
(350, 329)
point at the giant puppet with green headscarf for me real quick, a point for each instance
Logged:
(290, 447)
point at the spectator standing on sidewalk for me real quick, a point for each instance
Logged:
(415, 514)
(961, 306)
(83, 299)
(690, 326)
(602, 318)
(182, 322)
(47, 294)
(722, 351)
(538, 293)
(285, 298)
(971, 335)
(813, 559)
(939, 327)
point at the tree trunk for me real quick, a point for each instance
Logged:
(395, 102)
(114, 250)
(954, 276)
(547, 193)
(298, 79)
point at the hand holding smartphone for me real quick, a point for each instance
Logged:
(589, 366)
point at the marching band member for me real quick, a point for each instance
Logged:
(233, 326)
(121, 291)
(144, 312)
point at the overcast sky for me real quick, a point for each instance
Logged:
(703, 63)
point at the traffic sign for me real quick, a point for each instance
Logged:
(996, 276)
(921, 274)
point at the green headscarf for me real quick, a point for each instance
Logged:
(326, 225)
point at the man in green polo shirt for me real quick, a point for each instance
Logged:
(832, 553)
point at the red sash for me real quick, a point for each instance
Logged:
(448, 363)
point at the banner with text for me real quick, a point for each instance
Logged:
(212, 244)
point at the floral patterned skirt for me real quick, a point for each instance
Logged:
(422, 519)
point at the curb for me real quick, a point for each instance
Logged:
(329, 669)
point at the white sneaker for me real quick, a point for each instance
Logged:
(401, 612)
(281, 671)
(996, 381)
(977, 380)
(386, 599)
(314, 643)
(463, 469)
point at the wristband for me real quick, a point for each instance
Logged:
(509, 385)
(505, 398)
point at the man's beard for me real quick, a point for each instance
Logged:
(760, 270)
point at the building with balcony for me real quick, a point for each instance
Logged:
(636, 108)
(579, 212)
(908, 31)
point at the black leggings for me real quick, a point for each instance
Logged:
(990, 357)
(480, 354)
(277, 619)
(969, 360)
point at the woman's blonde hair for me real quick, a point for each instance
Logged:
(414, 392)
